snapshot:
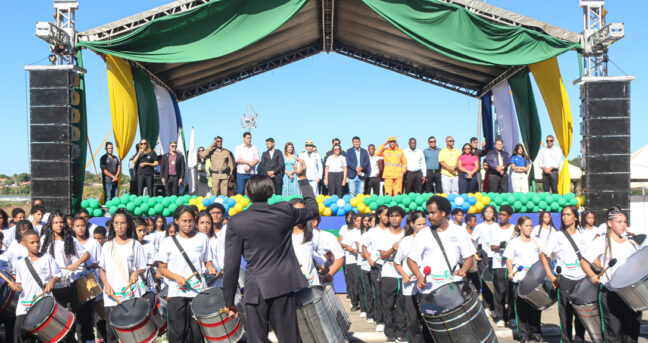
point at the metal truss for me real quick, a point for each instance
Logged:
(434, 78)
(597, 37)
(501, 78)
(252, 71)
(126, 25)
(328, 10)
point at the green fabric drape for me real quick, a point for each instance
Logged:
(78, 164)
(527, 114)
(454, 32)
(147, 108)
(212, 30)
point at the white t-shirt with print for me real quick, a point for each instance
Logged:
(149, 257)
(372, 244)
(426, 252)
(481, 235)
(220, 239)
(522, 254)
(325, 242)
(497, 235)
(351, 237)
(404, 248)
(15, 253)
(119, 261)
(564, 253)
(385, 241)
(542, 235)
(620, 251)
(304, 252)
(68, 276)
(197, 248)
(46, 268)
(364, 264)
(336, 164)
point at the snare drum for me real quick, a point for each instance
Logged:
(630, 280)
(133, 321)
(48, 320)
(159, 309)
(87, 288)
(317, 323)
(453, 313)
(536, 288)
(215, 325)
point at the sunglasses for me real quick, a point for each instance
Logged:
(173, 146)
(219, 141)
(431, 141)
(143, 143)
(549, 140)
(451, 141)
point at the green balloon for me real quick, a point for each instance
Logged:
(373, 206)
(529, 204)
(524, 209)
(511, 199)
(517, 206)
(548, 208)
(392, 204)
(173, 197)
(151, 202)
(412, 206)
(173, 207)
(555, 207)
(84, 203)
(121, 206)
(166, 212)
(158, 208)
(159, 197)
(561, 202)
(535, 198)
(535, 209)
(573, 202)
(130, 206)
(542, 204)
(419, 200)
(366, 201)
(165, 202)
(132, 197)
(145, 207)
(112, 210)
(151, 212)
(406, 201)
(97, 213)
(138, 211)
(517, 195)
(124, 199)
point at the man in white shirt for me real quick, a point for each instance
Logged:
(373, 181)
(550, 159)
(415, 176)
(314, 167)
(246, 156)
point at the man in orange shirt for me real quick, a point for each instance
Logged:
(395, 166)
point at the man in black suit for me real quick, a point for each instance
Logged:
(272, 164)
(172, 170)
(263, 235)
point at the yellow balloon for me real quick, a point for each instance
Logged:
(327, 197)
(245, 202)
(319, 197)
(472, 209)
(443, 195)
(238, 207)
(354, 202)
(232, 211)
(479, 206)
(361, 206)
(486, 200)
(367, 209)
(321, 208)
(238, 197)
(327, 212)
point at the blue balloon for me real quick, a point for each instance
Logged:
(327, 202)
(334, 208)
(206, 201)
(355, 210)
(335, 198)
(347, 198)
(472, 200)
(341, 212)
(453, 204)
(452, 197)
(465, 206)
(465, 197)
(231, 202)
(347, 207)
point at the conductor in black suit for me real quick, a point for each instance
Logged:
(263, 235)
(272, 164)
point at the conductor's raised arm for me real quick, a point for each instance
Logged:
(310, 209)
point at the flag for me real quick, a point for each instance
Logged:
(192, 162)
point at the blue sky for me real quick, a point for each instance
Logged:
(318, 98)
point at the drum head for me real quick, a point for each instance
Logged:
(632, 271)
(130, 313)
(639, 239)
(446, 298)
(208, 302)
(39, 312)
(308, 295)
(534, 277)
(150, 297)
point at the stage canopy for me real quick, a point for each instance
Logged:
(195, 46)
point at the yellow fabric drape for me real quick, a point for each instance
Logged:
(123, 105)
(552, 88)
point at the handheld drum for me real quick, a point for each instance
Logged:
(630, 280)
(133, 321)
(215, 325)
(317, 323)
(536, 289)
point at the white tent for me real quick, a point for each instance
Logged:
(639, 168)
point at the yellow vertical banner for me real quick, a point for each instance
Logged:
(123, 105)
(552, 88)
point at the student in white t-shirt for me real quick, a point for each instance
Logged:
(302, 242)
(458, 216)
(160, 230)
(504, 297)
(149, 254)
(121, 263)
(328, 249)
(36, 217)
(351, 245)
(184, 283)
(415, 325)
(481, 236)
(219, 232)
(204, 225)
(16, 250)
(587, 225)
(366, 301)
(370, 251)
(47, 271)
(522, 253)
(545, 229)
(343, 230)
(390, 279)
(621, 323)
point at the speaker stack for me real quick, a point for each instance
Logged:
(54, 133)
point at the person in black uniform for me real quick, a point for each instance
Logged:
(263, 235)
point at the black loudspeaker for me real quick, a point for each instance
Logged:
(54, 156)
(605, 109)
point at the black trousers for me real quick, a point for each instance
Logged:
(433, 181)
(66, 296)
(366, 302)
(550, 181)
(374, 279)
(111, 336)
(277, 181)
(353, 285)
(504, 297)
(415, 324)
(182, 327)
(498, 183)
(335, 184)
(621, 323)
(372, 185)
(413, 182)
(473, 277)
(488, 298)
(171, 185)
(394, 305)
(528, 318)
(468, 185)
(145, 181)
(20, 335)
(281, 312)
(9, 321)
(567, 313)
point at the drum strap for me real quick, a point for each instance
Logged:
(438, 239)
(32, 271)
(577, 251)
(184, 254)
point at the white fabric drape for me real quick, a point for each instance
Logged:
(192, 161)
(506, 117)
(168, 123)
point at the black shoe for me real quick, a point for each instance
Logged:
(536, 338)
(524, 339)
(510, 324)
(355, 308)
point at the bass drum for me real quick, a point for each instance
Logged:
(48, 320)
(159, 309)
(133, 321)
(630, 280)
(317, 323)
(214, 324)
(453, 313)
(536, 289)
(584, 298)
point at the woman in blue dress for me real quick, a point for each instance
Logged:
(290, 182)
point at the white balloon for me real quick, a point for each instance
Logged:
(341, 203)
(459, 201)
(219, 200)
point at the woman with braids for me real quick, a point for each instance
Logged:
(69, 255)
(620, 322)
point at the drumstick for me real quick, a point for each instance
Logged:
(114, 297)
(5, 278)
(190, 276)
(610, 264)
(519, 269)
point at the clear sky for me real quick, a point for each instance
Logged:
(318, 98)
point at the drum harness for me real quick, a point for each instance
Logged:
(37, 278)
(186, 257)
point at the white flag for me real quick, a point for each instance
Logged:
(192, 162)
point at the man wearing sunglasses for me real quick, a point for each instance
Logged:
(549, 160)
(172, 170)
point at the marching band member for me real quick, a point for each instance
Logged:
(343, 230)
(219, 232)
(121, 262)
(473, 275)
(46, 269)
(371, 253)
(413, 315)
(69, 254)
(366, 302)
(499, 237)
(620, 322)
(426, 251)
(545, 229)
(328, 249)
(567, 258)
(390, 279)
(351, 243)
(587, 224)
(481, 235)
(149, 253)
(522, 252)
(180, 259)
(160, 230)
(302, 242)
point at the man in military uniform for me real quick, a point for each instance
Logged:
(221, 166)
